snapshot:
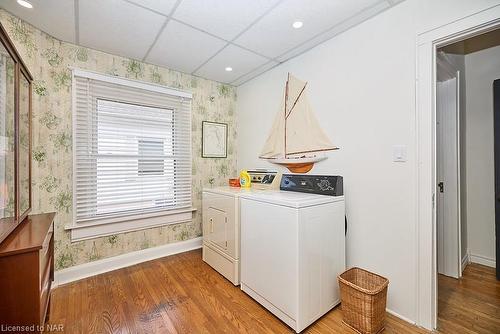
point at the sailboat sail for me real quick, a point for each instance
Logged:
(294, 90)
(295, 129)
(275, 143)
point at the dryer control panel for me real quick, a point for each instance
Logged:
(331, 185)
(263, 179)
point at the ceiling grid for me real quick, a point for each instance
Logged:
(168, 18)
(200, 37)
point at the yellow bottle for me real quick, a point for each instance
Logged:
(245, 179)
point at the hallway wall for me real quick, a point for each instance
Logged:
(482, 68)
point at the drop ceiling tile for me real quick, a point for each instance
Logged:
(241, 60)
(162, 6)
(225, 19)
(183, 48)
(55, 17)
(274, 35)
(258, 71)
(118, 27)
(338, 29)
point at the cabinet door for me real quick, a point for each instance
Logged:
(217, 224)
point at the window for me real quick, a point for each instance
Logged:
(150, 150)
(132, 149)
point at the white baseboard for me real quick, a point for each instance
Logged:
(400, 316)
(465, 261)
(485, 261)
(116, 262)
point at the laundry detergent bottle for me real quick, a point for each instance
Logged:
(245, 179)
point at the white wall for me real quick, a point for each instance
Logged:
(481, 69)
(362, 87)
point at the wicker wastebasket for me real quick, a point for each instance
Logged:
(363, 297)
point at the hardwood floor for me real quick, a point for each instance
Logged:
(470, 304)
(181, 294)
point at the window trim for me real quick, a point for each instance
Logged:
(107, 226)
(130, 83)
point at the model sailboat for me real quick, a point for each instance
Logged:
(296, 137)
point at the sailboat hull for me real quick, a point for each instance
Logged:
(297, 165)
(300, 168)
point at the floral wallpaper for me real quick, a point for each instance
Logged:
(7, 135)
(49, 61)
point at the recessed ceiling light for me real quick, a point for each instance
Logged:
(229, 69)
(297, 24)
(25, 3)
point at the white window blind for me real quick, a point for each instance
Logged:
(132, 149)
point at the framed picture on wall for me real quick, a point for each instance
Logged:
(214, 140)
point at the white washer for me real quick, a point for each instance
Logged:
(292, 249)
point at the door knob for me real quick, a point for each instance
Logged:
(441, 187)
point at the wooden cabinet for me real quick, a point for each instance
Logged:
(27, 272)
(221, 234)
(26, 242)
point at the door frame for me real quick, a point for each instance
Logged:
(496, 149)
(427, 44)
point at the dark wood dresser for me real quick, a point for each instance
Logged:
(27, 272)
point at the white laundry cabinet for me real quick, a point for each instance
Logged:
(221, 231)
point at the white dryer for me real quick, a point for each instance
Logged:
(221, 231)
(293, 247)
(221, 223)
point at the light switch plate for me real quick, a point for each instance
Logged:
(399, 153)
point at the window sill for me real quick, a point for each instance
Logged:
(110, 226)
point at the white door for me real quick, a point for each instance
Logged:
(448, 217)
